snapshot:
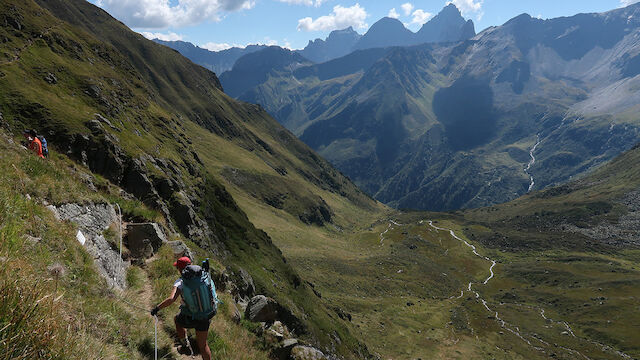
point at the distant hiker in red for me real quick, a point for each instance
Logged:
(199, 304)
(33, 142)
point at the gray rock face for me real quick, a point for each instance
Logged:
(262, 309)
(306, 353)
(143, 240)
(284, 349)
(180, 249)
(245, 289)
(92, 221)
(235, 313)
(101, 152)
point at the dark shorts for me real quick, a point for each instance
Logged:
(187, 322)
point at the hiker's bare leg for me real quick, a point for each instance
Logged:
(201, 337)
(180, 331)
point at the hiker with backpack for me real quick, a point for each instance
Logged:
(36, 143)
(199, 304)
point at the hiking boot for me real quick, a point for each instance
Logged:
(185, 347)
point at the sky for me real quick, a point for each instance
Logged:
(220, 24)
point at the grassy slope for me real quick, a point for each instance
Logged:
(403, 292)
(152, 91)
(75, 316)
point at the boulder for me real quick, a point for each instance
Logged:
(306, 353)
(283, 350)
(262, 309)
(243, 288)
(144, 239)
(235, 313)
(276, 333)
(31, 239)
(180, 249)
(51, 78)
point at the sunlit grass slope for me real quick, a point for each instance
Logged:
(62, 62)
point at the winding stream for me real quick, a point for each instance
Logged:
(531, 163)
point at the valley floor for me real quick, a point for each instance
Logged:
(418, 288)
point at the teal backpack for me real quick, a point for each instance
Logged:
(199, 293)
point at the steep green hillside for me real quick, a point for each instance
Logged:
(159, 127)
(53, 302)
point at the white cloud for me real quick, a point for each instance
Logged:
(159, 14)
(407, 8)
(624, 3)
(170, 36)
(340, 18)
(469, 7)
(315, 3)
(393, 14)
(420, 17)
(211, 46)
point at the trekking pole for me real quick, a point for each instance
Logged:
(155, 333)
(120, 228)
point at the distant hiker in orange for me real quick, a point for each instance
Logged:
(199, 304)
(33, 142)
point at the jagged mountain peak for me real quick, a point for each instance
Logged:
(347, 31)
(339, 43)
(452, 9)
(449, 25)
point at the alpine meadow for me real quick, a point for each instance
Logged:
(417, 188)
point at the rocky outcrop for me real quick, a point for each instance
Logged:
(244, 287)
(237, 283)
(283, 346)
(162, 189)
(306, 353)
(143, 240)
(92, 220)
(283, 350)
(180, 249)
(625, 232)
(235, 312)
(262, 309)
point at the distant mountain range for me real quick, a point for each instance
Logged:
(445, 126)
(338, 44)
(216, 61)
(448, 26)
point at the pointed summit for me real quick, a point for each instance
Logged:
(447, 26)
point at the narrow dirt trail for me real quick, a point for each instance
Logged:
(146, 295)
(389, 228)
(514, 329)
(29, 43)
